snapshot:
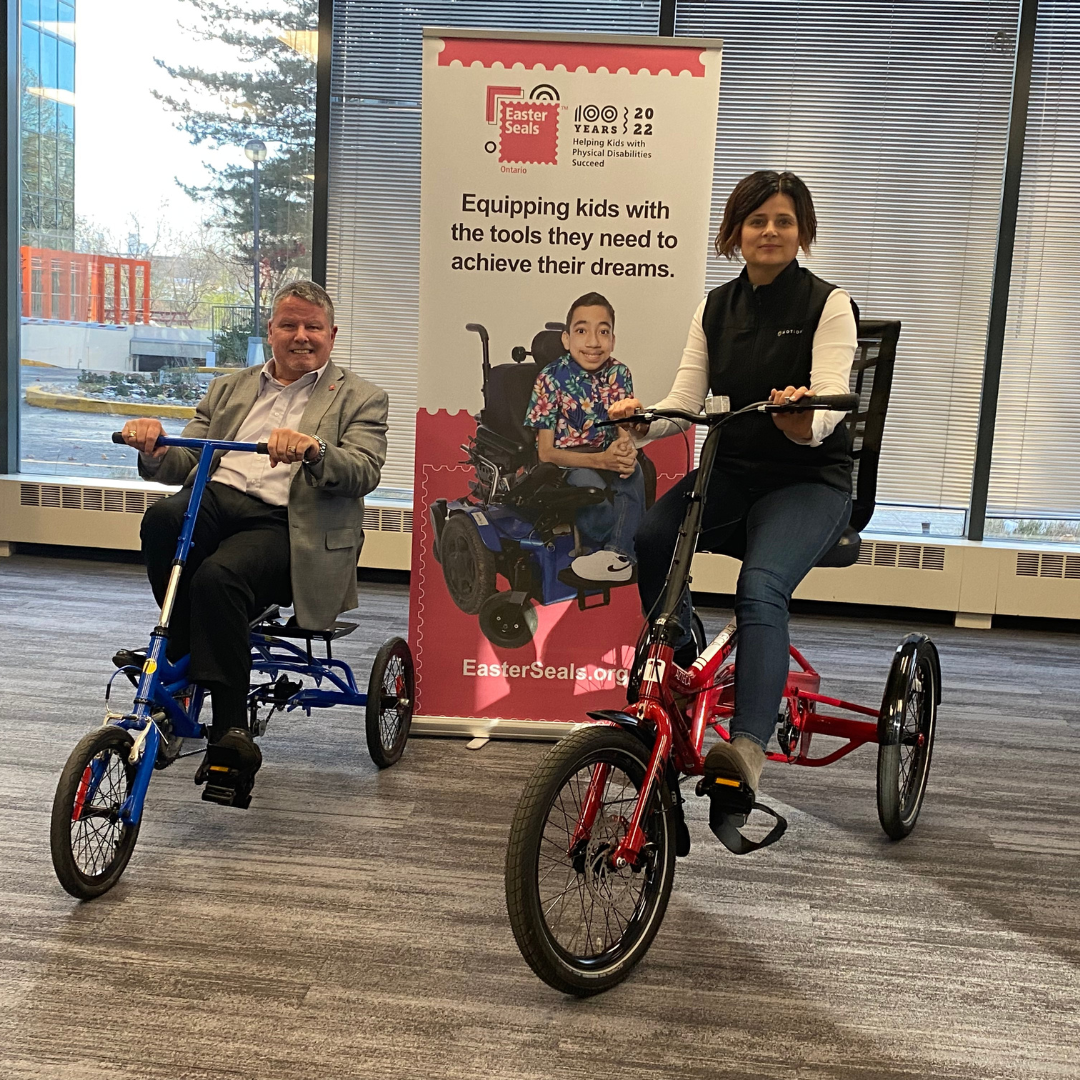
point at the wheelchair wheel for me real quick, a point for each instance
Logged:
(580, 924)
(468, 565)
(390, 699)
(90, 844)
(906, 735)
(507, 623)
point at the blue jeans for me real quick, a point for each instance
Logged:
(611, 525)
(787, 531)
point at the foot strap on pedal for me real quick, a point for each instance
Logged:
(730, 804)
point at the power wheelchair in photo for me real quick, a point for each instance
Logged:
(99, 802)
(518, 520)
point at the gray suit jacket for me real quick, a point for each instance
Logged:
(326, 501)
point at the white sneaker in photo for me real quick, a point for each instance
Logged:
(603, 566)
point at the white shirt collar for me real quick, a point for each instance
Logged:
(308, 378)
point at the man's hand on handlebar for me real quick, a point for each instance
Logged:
(800, 425)
(143, 434)
(627, 407)
(286, 446)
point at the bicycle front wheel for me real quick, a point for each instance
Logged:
(90, 843)
(580, 923)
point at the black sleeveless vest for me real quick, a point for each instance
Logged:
(759, 340)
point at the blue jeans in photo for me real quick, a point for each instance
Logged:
(787, 531)
(611, 525)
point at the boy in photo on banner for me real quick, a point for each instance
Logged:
(570, 397)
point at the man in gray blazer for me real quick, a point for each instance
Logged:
(281, 528)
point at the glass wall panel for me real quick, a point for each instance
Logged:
(1035, 473)
(137, 248)
(896, 115)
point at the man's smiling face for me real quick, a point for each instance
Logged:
(301, 338)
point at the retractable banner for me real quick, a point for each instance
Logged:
(553, 167)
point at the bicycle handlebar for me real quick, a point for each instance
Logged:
(198, 444)
(821, 402)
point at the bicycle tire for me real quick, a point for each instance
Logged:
(904, 765)
(553, 961)
(390, 700)
(89, 860)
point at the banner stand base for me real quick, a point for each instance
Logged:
(476, 728)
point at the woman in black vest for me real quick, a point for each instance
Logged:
(783, 480)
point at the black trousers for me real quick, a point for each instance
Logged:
(238, 566)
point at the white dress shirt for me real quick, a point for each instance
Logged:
(279, 405)
(834, 345)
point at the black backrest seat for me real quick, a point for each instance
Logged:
(547, 347)
(871, 379)
(509, 389)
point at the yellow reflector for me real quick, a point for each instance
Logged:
(219, 768)
(729, 783)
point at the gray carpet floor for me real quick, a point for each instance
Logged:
(352, 923)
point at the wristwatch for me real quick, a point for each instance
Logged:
(321, 454)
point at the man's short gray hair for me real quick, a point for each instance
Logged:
(305, 290)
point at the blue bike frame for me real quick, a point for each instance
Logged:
(160, 680)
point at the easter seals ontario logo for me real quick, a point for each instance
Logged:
(528, 128)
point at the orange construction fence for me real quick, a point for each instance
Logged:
(76, 287)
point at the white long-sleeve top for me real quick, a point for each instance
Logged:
(834, 346)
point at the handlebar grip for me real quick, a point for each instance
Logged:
(262, 448)
(820, 403)
(838, 402)
(118, 438)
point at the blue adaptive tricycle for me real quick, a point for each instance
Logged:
(99, 800)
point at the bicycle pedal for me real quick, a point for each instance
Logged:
(225, 795)
(727, 795)
(229, 769)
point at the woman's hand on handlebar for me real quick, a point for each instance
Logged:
(800, 425)
(143, 434)
(627, 407)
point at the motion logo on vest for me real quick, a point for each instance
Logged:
(528, 129)
(786, 333)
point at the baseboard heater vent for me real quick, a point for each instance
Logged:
(75, 497)
(135, 501)
(1050, 564)
(387, 519)
(902, 556)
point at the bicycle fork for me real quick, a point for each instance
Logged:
(629, 848)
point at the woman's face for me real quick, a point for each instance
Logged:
(770, 237)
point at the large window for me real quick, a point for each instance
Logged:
(137, 207)
(896, 115)
(1035, 474)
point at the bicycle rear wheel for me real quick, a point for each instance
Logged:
(90, 843)
(911, 696)
(390, 700)
(581, 924)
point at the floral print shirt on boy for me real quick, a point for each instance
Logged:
(571, 401)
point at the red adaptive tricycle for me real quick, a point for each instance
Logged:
(592, 847)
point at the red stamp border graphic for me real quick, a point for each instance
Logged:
(573, 55)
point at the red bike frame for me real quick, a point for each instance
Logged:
(679, 704)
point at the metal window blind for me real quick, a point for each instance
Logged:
(373, 242)
(1035, 470)
(896, 116)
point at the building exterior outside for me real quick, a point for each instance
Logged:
(48, 124)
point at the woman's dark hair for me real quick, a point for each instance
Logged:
(590, 299)
(750, 192)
